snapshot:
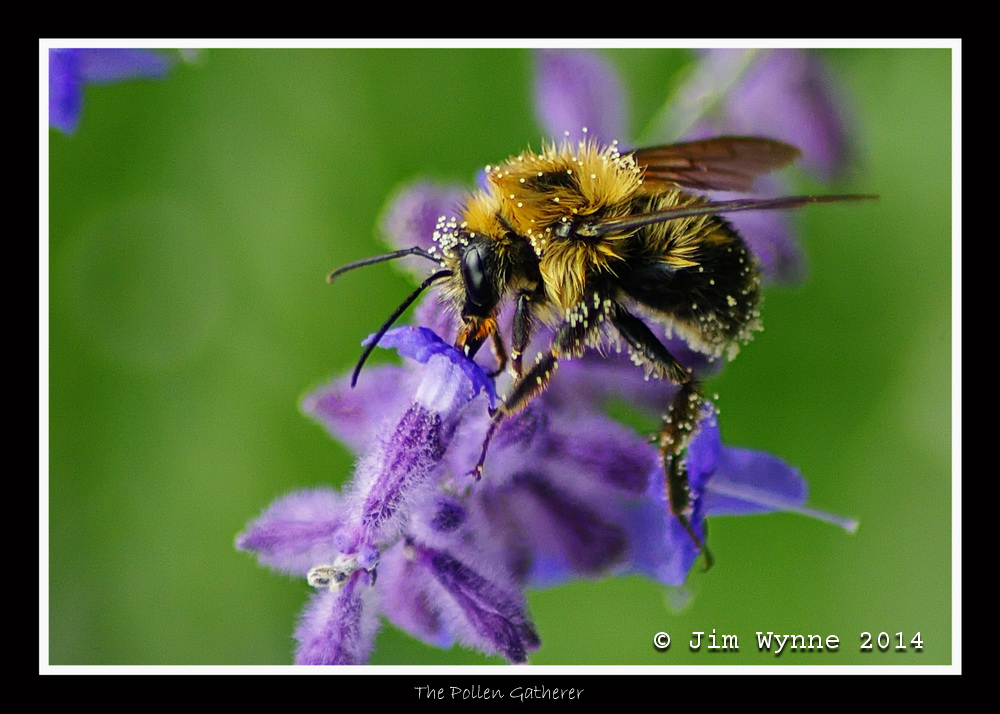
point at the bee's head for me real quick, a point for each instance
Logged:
(486, 259)
(478, 271)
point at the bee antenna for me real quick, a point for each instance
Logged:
(373, 341)
(415, 250)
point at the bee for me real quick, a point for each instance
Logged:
(597, 244)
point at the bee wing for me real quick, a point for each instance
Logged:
(725, 163)
(606, 226)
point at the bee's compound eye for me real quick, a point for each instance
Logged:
(474, 276)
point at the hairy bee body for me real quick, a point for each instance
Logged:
(694, 275)
(528, 197)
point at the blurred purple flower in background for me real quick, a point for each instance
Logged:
(578, 89)
(567, 492)
(785, 94)
(71, 69)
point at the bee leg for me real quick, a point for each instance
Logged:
(570, 340)
(679, 425)
(477, 472)
(521, 328)
(675, 434)
(679, 422)
(582, 327)
(501, 354)
(648, 346)
(529, 386)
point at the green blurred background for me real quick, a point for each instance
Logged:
(192, 223)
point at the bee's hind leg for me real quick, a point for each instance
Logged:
(679, 423)
(675, 434)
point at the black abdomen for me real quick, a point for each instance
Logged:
(697, 276)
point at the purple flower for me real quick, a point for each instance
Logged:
(395, 513)
(567, 492)
(71, 69)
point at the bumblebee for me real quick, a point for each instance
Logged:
(596, 244)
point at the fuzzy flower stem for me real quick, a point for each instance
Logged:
(403, 463)
(417, 448)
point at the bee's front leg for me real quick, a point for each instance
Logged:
(521, 328)
(501, 354)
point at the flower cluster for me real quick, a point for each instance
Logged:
(567, 491)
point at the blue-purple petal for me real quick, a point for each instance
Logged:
(587, 544)
(785, 94)
(704, 452)
(449, 514)
(409, 597)
(116, 65)
(748, 482)
(65, 90)
(660, 547)
(751, 482)
(420, 344)
(792, 91)
(518, 433)
(296, 532)
(355, 415)
(614, 458)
